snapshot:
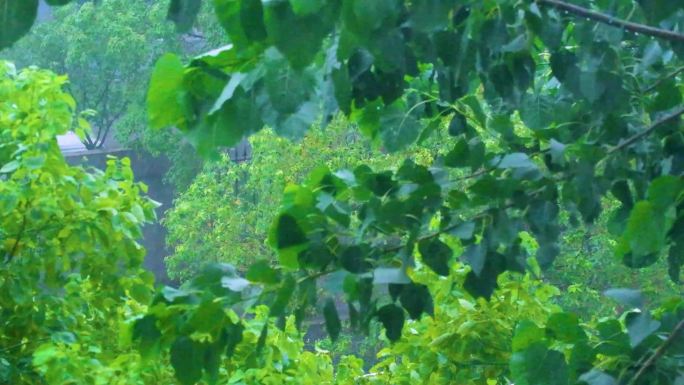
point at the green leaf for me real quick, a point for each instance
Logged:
(431, 15)
(165, 106)
(565, 327)
(436, 255)
(332, 320)
(296, 125)
(16, 19)
(9, 167)
(288, 238)
(398, 129)
(262, 272)
(627, 297)
(187, 360)
(640, 326)
(526, 334)
(614, 342)
(297, 37)
(392, 318)
(207, 318)
(644, 236)
(283, 296)
(228, 91)
(537, 365)
(476, 255)
(483, 284)
(664, 192)
(515, 160)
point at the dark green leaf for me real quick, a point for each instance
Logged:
(187, 360)
(565, 327)
(392, 318)
(16, 19)
(458, 125)
(332, 319)
(436, 255)
(352, 259)
(416, 299)
(537, 365)
(233, 337)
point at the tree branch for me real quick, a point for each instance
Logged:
(635, 138)
(614, 21)
(659, 352)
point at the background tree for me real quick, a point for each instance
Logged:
(232, 203)
(107, 49)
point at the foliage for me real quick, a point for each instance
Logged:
(601, 106)
(68, 241)
(232, 203)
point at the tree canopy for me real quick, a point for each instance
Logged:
(552, 108)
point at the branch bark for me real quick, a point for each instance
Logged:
(614, 21)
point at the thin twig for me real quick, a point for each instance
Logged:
(659, 352)
(661, 80)
(635, 138)
(614, 21)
